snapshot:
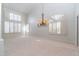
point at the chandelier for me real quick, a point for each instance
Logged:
(43, 21)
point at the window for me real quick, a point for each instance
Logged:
(19, 27)
(19, 18)
(57, 23)
(55, 27)
(16, 28)
(11, 16)
(15, 17)
(15, 22)
(27, 28)
(58, 27)
(11, 26)
(6, 27)
(50, 27)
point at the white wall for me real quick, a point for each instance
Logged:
(50, 9)
(1, 40)
(0, 20)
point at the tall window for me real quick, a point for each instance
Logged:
(19, 27)
(15, 27)
(6, 27)
(11, 16)
(13, 24)
(58, 27)
(57, 23)
(19, 18)
(16, 19)
(55, 27)
(50, 27)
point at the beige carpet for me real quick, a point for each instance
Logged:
(34, 46)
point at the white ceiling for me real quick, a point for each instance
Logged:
(22, 7)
